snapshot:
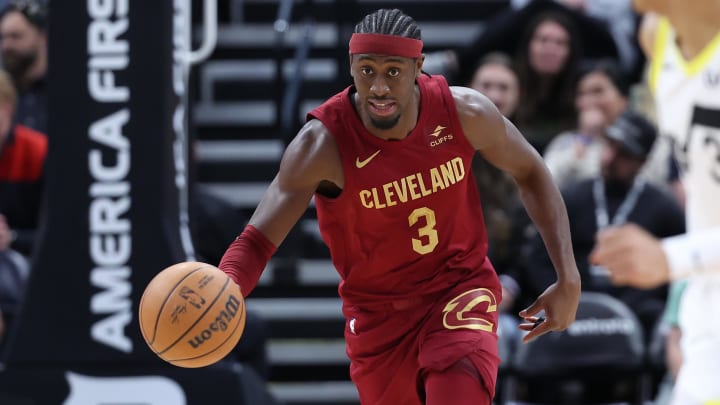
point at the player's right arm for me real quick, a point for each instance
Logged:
(310, 159)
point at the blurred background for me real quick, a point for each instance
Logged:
(155, 129)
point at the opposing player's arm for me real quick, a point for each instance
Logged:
(635, 257)
(312, 157)
(501, 144)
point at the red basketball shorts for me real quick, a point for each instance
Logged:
(391, 347)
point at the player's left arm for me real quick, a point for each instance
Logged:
(501, 144)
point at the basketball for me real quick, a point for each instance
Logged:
(192, 314)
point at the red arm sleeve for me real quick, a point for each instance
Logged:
(245, 258)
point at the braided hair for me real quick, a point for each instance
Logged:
(389, 22)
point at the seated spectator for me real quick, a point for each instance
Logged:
(504, 32)
(617, 196)
(22, 160)
(621, 22)
(496, 78)
(547, 61)
(549, 41)
(14, 272)
(601, 96)
(23, 43)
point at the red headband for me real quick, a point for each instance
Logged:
(391, 45)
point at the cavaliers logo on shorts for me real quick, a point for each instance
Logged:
(469, 309)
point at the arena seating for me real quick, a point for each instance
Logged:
(600, 359)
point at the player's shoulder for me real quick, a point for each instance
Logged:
(313, 153)
(313, 141)
(312, 135)
(470, 102)
(481, 121)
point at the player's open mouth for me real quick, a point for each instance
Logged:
(383, 109)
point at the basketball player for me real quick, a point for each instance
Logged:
(388, 161)
(683, 45)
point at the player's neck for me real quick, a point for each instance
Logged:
(695, 28)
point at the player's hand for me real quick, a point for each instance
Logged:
(632, 256)
(559, 301)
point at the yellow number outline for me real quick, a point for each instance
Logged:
(428, 230)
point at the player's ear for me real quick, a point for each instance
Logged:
(418, 65)
(350, 60)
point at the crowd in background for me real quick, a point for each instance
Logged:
(568, 73)
(23, 146)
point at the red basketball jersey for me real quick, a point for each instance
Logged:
(408, 221)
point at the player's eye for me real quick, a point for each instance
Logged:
(394, 72)
(366, 71)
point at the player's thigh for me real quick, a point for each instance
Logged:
(459, 384)
(463, 326)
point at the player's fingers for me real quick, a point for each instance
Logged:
(532, 310)
(543, 328)
(531, 322)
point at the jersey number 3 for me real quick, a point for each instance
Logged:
(427, 238)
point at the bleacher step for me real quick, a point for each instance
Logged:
(252, 72)
(330, 392)
(245, 150)
(282, 352)
(253, 112)
(296, 308)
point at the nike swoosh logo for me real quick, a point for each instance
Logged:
(362, 163)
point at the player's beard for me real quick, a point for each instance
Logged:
(17, 63)
(387, 123)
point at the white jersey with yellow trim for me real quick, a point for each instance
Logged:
(687, 98)
(687, 95)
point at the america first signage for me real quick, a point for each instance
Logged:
(112, 213)
(115, 212)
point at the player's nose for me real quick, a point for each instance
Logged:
(379, 86)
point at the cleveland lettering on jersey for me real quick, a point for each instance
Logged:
(414, 186)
